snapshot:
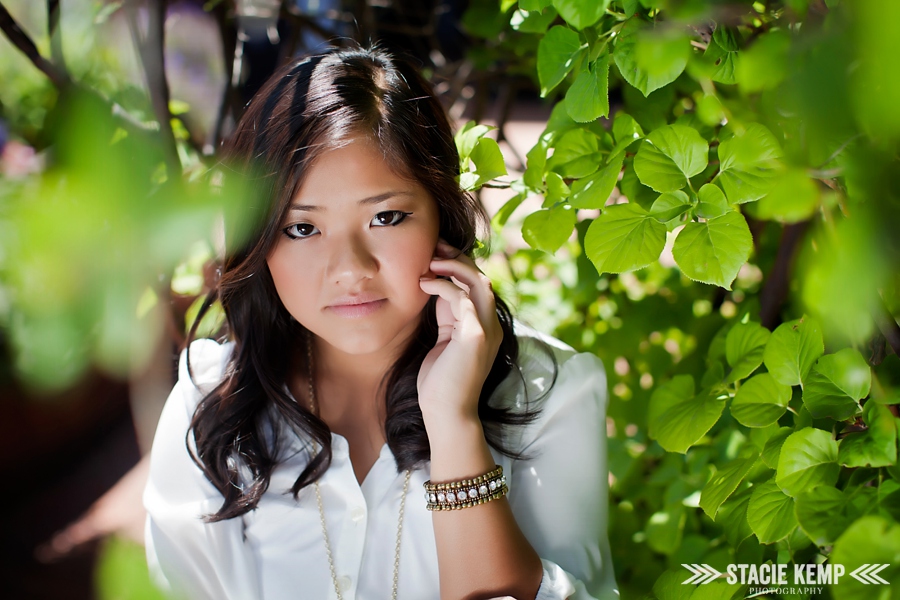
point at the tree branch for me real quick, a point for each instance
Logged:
(26, 46)
(775, 289)
(55, 33)
(152, 55)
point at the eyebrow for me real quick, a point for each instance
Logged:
(363, 202)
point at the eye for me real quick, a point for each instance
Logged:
(389, 217)
(300, 230)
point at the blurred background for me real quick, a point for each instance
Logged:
(111, 116)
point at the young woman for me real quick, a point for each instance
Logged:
(376, 425)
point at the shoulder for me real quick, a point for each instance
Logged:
(204, 362)
(554, 379)
(546, 365)
(201, 367)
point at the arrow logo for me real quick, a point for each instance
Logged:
(703, 574)
(869, 574)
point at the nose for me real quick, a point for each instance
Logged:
(351, 260)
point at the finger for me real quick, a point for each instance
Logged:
(469, 277)
(444, 251)
(461, 305)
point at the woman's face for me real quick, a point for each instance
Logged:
(352, 247)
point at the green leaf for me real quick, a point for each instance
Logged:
(763, 65)
(772, 449)
(502, 216)
(588, 98)
(557, 190)
(677, 419)
(793, 198)
(626, 131)
(793, 349)
(760, 401)
(577, 154)
(770, 513)
(535, 21)
(557, 52)
(668, 586)
(719, 63)
(723, 483)
(712, 202)
(467, 137)
(669, 206)
(669, 156)
(537, 163)
(823, 514)
(808, 458)
(870, 540)
(836, 384)
(548, 229)
(748, 164)
(534, 4)
(649, 60)
(665, 529)
(875, 447)
(623, 238)
(732, 516)
(713, 252)
(488, 160)
(594, 191)
(581, 13)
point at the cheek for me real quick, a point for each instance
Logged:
(292, 287)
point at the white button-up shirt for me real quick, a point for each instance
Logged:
(558, 495)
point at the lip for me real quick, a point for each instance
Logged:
(356, 306)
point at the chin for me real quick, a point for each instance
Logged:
(360, 340)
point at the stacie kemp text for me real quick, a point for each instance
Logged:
(778, 574)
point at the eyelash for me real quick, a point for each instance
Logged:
(290, 231)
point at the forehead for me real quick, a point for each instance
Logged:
(352, 172)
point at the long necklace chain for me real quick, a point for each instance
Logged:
(334, 580)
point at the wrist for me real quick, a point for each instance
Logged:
(458, 449)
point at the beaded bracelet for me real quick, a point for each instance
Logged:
(455, 495)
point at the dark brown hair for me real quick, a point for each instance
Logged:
(305, 109)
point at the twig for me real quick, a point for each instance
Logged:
(840, 149)
(26, 46)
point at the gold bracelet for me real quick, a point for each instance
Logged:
(466, 493)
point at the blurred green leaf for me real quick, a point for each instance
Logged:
(823, 514)
(581, 13)
(793, 198)
(870, 540)
(650, 59)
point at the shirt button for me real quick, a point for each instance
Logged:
(357, 514)
(344, 583)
